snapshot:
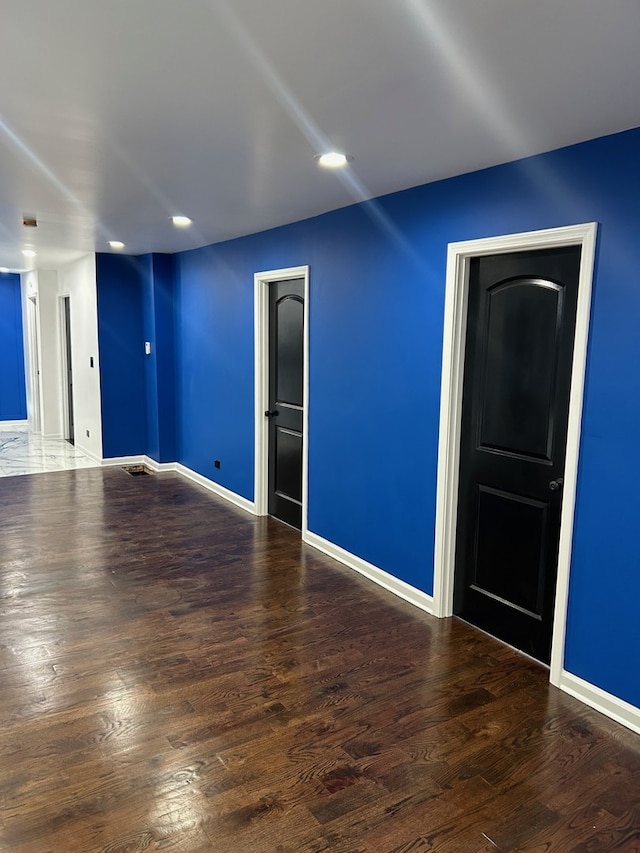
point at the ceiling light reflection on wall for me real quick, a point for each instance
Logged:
(29, 253)
(333, 160)
(116, 244)
(181, 221)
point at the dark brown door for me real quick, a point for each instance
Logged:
(285, 413)
(519, 350)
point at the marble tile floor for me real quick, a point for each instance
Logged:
(24, 452)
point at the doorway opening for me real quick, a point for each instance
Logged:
(459, 267)
(67, 370)
(281, 334)
(35, 415)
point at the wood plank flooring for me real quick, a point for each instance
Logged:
(178, 676)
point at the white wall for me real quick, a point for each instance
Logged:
(78, 281)
(50, 353)
(29, 288)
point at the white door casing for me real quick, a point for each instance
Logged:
(455, 324)
(35, 416)
(65, 366)
(262, 280)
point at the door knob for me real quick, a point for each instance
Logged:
(271, 414)
(555, 485)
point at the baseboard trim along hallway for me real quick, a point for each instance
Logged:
(179, 674)
(611, 706)
(373, 573)
(616, 709)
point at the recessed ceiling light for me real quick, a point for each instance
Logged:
(181, 221)
(4, 269)
(116, 244)
(333, 159)
(28, 253)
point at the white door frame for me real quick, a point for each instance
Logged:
(455, 325)
(35, 366)
(64, 363)
(262, 280)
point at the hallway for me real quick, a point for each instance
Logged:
(25, 452)
(180, 675)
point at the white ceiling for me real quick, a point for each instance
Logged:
(116, 114)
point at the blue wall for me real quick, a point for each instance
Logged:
(376, 322)
(13, 397)
(152, 439)
(159, 322)
(119, 281)
(376, 314)
(136, 304)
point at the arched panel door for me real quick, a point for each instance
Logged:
(286, 399)
(519, 350)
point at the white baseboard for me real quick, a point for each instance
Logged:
(159, 466)
(216, 488)
(147, 461)
(616, 709)
(13, 424)
(389, 582)
(384, 579)
(118, 461)
(609, 705)
(153, 465)
(97, 459)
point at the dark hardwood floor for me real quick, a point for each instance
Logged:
(178, 676)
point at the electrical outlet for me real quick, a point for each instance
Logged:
(216, 463)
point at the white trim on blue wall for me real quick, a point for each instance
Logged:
(458, 261)
(216, 488)
(390, 582)
(618, 710)
(210, 485)
(261, 282)
(14, 424)
(606, 703)
(115, 461)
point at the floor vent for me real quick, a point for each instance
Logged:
(137, 470)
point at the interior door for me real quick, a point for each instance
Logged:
(286, 400)
(518, 357)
